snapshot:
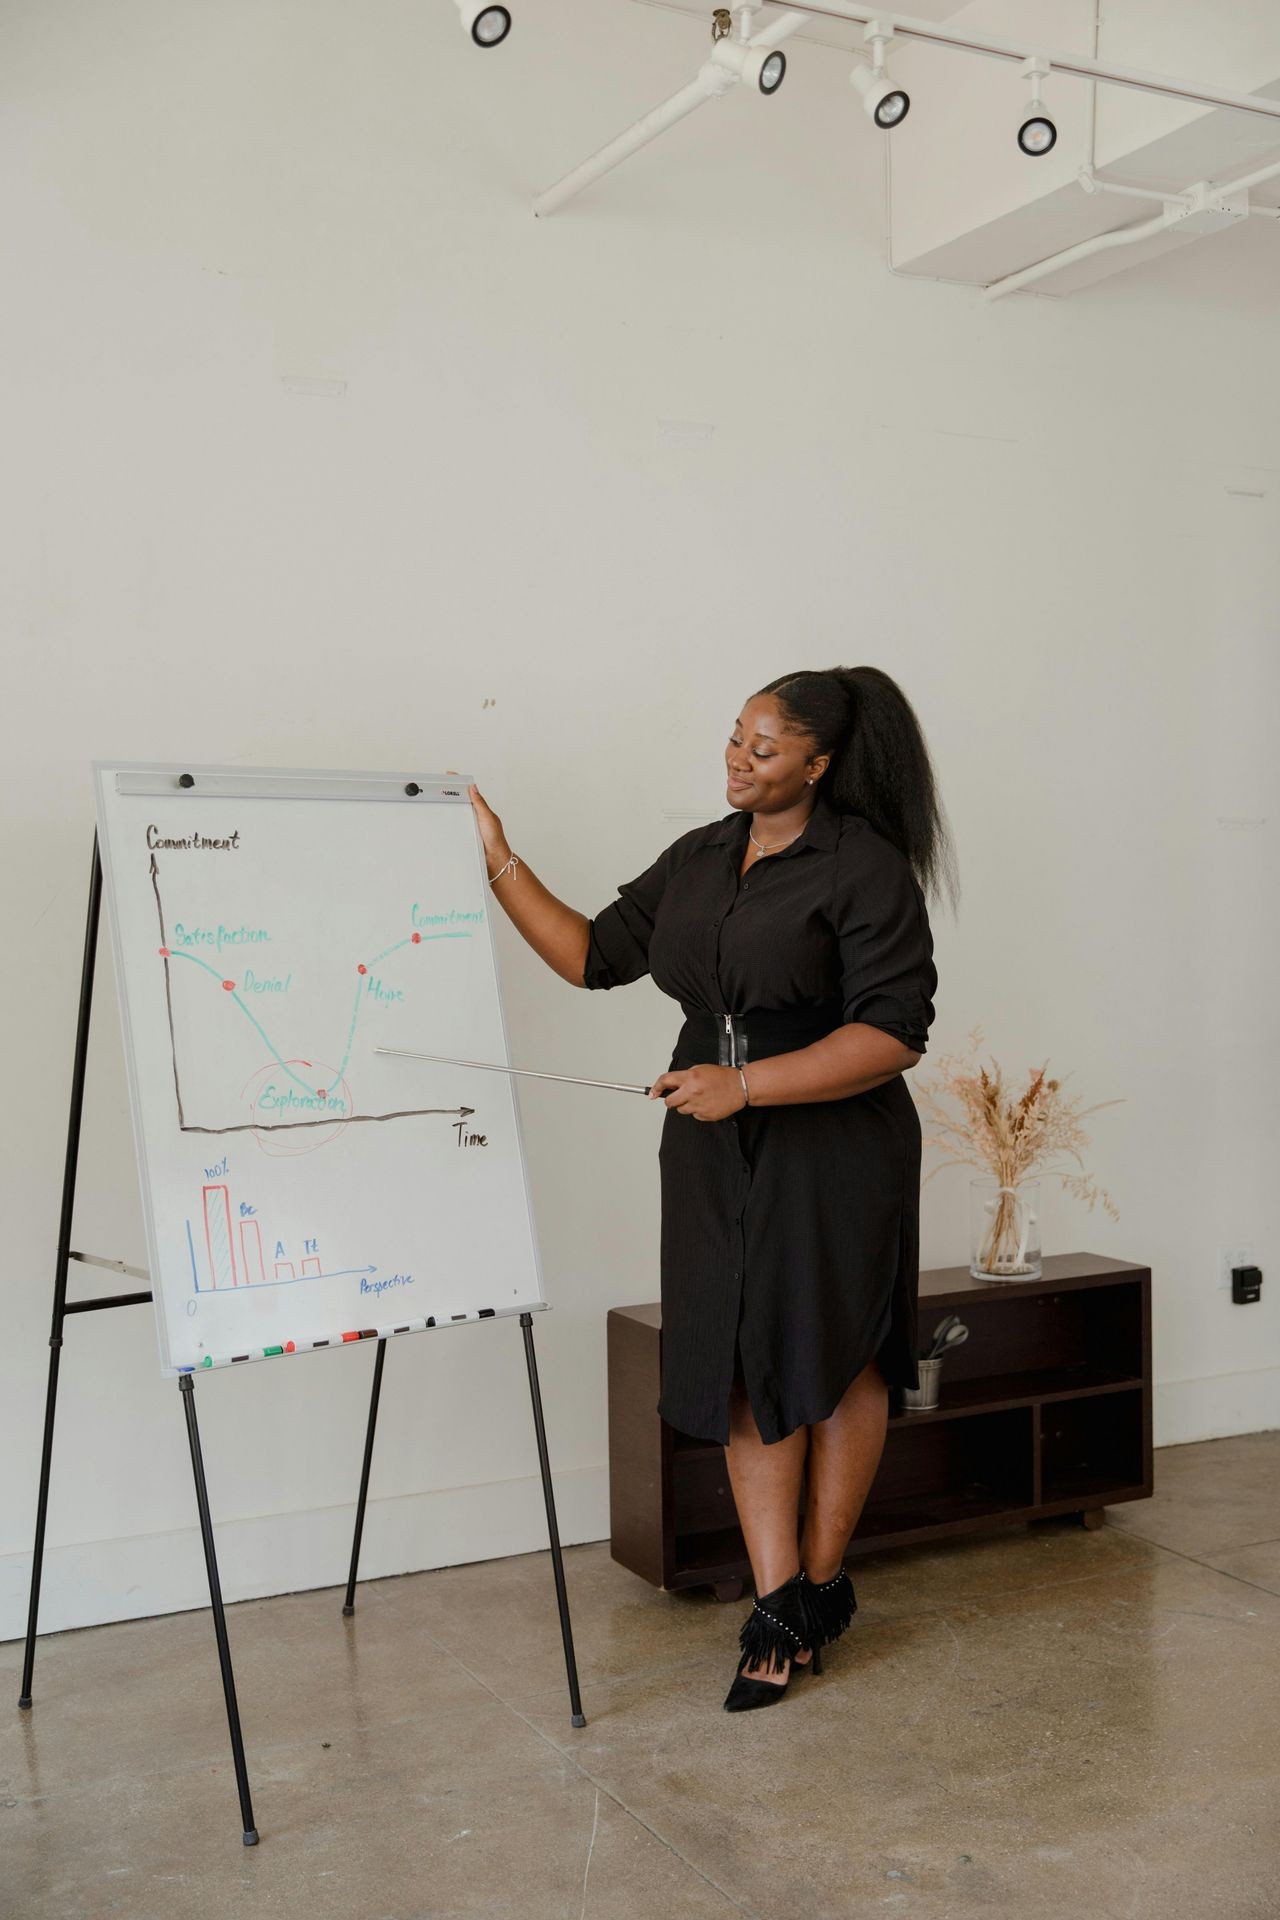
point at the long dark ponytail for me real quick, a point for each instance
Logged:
(880, 765)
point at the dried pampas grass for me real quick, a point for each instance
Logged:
(1003, 1136)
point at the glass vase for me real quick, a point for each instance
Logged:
(1004, 1224)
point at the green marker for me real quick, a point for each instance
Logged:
(258, 1353)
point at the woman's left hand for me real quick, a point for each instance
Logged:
(704, 1093)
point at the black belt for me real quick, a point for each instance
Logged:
(733, 1039)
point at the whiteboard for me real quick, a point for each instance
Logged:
(272, 928)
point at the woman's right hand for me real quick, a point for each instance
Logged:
(557, 933)
(493, 839)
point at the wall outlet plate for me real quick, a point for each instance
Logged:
(1229, 1257)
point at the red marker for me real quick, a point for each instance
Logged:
(289, 1347)
(351, 1336)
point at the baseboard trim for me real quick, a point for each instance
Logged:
(1216, 1405)
(88, 1583)
(91, 1582)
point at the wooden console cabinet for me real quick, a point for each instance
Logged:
(1045, 1409)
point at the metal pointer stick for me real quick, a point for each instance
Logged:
(531, 1073)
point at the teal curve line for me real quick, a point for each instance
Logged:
(361, 989)
(309, 1090)
(408, 937)
(351, 1030)
(249, 1015)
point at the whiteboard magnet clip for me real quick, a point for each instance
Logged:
(413, 789)
(186, 779)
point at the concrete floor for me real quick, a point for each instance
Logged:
(1042, 1722)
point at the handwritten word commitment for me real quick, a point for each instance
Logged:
(193, 843)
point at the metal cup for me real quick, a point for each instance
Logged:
(917, 1399)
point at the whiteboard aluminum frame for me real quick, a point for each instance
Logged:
(264, 783)
(302, 783)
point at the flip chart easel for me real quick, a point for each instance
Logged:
(63, 1308)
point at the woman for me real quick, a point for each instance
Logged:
(795, 936)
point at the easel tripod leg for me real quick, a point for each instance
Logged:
(63, 1256)
(42, 1509)
(187, 1387)
(577, 1717)
(349, 1605)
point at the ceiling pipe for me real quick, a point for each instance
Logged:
(696, 94)
(780, 28)
(717, 75)
(1229, 200)
(1091, 183)
(1097, 243)
(1254, 179)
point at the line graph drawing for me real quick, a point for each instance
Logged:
(320, 1084)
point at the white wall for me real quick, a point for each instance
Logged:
(608, 472)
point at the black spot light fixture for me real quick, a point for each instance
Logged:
(487, 25)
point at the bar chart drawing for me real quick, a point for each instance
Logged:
(227, 1268)
(217, 1238)
(255, 1271)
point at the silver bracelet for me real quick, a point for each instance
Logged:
(514, 861)
(745, 1088)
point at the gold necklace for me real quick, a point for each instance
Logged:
(782, 843)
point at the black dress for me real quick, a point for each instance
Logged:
(790, 1234)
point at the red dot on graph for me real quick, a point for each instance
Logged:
(416, 939)
(228, 986)
(362, 968)
(320, 1093)
(163, 952)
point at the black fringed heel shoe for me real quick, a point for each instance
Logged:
(828, 1607)
(773, 1632)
